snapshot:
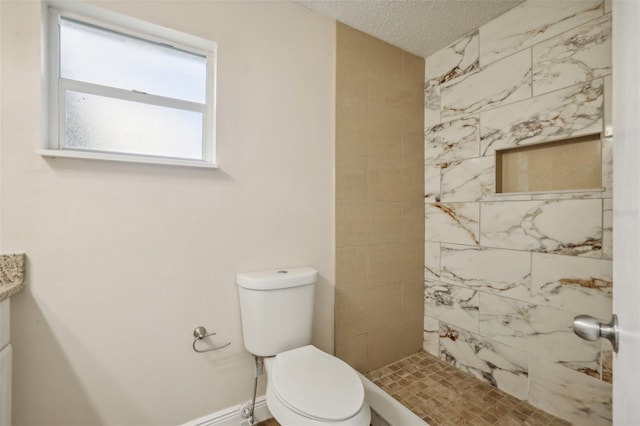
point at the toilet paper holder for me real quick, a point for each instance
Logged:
(200, 333)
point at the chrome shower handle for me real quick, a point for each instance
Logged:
(589, 328)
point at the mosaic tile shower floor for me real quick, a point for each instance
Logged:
(443, 395)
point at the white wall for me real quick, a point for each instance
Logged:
(125, 260)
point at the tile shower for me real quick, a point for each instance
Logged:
(505, 273)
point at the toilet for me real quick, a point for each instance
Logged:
(305, 386)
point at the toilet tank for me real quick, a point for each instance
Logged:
(276, 309)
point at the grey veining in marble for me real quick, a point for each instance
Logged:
(11, 274)
(504, 272)
(431, 260)
(431, 103)
(574, 284)
(574, 111)
(607, 228)
(452, 304)
(544, 226)
(539, 330)
(468, 180)
(574, 397)
(453, 61)
(499, 365)
(431, 342)
(432, 183)
(532, 22)
(452, 141)
(578, 55)
(506, 81)
(456, 223)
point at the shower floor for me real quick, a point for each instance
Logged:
(443, 395)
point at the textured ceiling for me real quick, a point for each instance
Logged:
(421, 27)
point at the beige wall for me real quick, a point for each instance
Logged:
(379, 201)
(125, 260)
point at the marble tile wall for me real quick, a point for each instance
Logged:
(506, 273)
(379, 289)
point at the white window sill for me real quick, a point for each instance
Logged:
(86, 155)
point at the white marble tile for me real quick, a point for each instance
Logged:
(431, 103)
(453, 61)
(574, 111)
(568, 195)
(499, 365)
(607, 228)
(539, 330)
(607, 167)
(530, 23)
(431, 260)
(573, 397)
(571, 227)
(452, 304)
(574, 284)
(607, 6)
(452, 141)
(432, 183)
(431, 336)
(504, 272)
(500, 83)
(607, 362)
(468, 180)
(608, 108)
(452, 222)
(578, 55)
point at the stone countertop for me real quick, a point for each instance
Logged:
(11, 274)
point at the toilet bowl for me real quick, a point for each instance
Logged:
(306, 386)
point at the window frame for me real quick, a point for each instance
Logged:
(54, 93)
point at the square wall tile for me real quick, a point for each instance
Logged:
(354, 352)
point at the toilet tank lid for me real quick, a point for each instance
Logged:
(277, 278)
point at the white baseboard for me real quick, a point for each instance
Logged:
(231, 416)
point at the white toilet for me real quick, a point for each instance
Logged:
(305, 386)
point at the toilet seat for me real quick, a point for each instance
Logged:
(316, 385)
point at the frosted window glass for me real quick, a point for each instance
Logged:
(99, 56)
(97, 123)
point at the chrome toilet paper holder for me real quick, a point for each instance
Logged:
(200, 333)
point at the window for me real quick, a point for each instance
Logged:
(137, 93)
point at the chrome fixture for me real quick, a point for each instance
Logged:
(589, 328)
(200, 333)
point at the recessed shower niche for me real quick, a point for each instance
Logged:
(561, 165)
